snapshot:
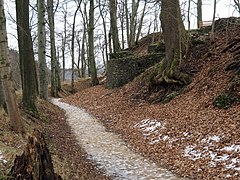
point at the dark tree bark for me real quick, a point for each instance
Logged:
(105, 32)
(73, 46)
(113, 24)
(35, 162)
(43, 75)
(54, 75)
(199, 13)
(91, 45)
(84, 41)
(64, 38)
(2, 99)
(7, 93)
(176, 44)
(26, 56)
(213, 21)
(237, 5)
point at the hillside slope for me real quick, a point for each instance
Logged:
(188, 135)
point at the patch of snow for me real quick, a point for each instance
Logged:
(186, 134)
(233, 147)
(2, 158)
(151, 127)
(234, 164)
(228, 175)
(192, 153)
(154, 141)
(165, 138)
(211, 139)
(207, 148)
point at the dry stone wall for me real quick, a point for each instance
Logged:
(124, 69)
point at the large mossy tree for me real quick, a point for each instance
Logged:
(176, 45)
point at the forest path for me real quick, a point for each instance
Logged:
(108, 150)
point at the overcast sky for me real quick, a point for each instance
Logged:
(224, 9)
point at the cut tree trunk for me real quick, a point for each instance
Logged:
(35, 162)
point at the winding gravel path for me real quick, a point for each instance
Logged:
(108, 150)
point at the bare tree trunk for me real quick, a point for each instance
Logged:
(141, 22)
(79, 57)
(64, 37)
(188, 15)
(110, 41)
(43, 75)
(72, 46)
(54, 88)
(133, 17)
(237, 5)
(84, 50)
(7, 85)
(176, 43)
(105, 33)
(213, 22)
(58, 72)
(2, 98)
(156, 17)
(91, 45)
(35, 163)
(127, 23)
(199, 12)
(63, 58)
(27, 63)
(122, 20)
(113, 24)
(83, 59)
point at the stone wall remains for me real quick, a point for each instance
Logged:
(120, 71)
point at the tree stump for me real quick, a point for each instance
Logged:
(35, 163)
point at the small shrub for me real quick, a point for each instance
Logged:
(223, 101)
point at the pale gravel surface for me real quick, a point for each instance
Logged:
(108, 150)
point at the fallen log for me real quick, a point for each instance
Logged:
(35, 163)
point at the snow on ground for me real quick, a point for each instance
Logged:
(208, 147)
(2, 158)
(152, 128)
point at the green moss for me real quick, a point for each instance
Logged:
(223, 101)
(196, 42)
(170, 97)
(5, 177)
(158, 47)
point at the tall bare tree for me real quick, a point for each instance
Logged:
(113, 23)
(92, 62)
(135, 5)
(176, 43)
(43, 75)
(64, 41)
(237, 5)
(199, 12)
(213, 21)
(73, 45)
(102, 11)
(26, 56)
(139, 30)
(6, 79)
(54, 76)
(84, 40)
